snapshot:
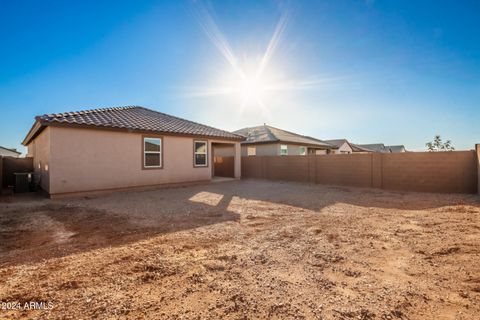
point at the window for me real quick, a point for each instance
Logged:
(200, 156)
(152, 152)
(251, 151)
(303, 151)
(283, 150)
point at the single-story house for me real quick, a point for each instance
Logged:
(340, 146)
(266, 140)
(343, 146)
(122, 148)
(9, 152)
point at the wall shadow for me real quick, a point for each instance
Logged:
(317, 196)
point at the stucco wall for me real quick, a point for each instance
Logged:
(88, 160)
(343, 149)
(39, 150)
(271, 149)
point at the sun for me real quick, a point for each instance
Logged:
(255, 80)
(250, 89)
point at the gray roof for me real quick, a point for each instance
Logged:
(337, 142)
(375, 147)
(131, 118)
(396, 149)
(357, 148)
(269, 134)
(11, 150)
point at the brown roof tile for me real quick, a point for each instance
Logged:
(131, 118)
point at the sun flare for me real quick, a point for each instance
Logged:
(250, 89)
(250, 82)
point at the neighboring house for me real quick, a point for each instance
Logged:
(340, 146)
(397, 149)
(125, 147)
(8, 152)
(343, 146)
(375, 147)
(380, 147)
(269, 141)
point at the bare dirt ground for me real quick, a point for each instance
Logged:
(244, 250)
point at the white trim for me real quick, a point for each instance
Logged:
(195, 153)
(286, 149)
(152, 152)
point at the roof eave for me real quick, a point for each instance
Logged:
(36, 128)
(39, 125)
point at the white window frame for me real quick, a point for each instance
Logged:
(152, 152)
(254, 153)
(286, 150)
(195, 153)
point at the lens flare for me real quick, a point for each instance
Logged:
(251, 82)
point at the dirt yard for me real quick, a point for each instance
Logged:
(243, 250)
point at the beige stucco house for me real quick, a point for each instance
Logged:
(270, 141)
(340, 146)
(122, 148)
(343, 146)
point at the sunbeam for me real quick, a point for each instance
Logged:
(272, 45)
(212, 31)
(251, 82)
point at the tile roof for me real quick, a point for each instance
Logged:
(375, 147)
(266, 134)
(11, 150)
(357, 148)
(397, 149)
(131, 118)
(337, 142)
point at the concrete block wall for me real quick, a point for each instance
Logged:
(477, 154)
(443, 172)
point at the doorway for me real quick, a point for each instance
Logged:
(223, 155)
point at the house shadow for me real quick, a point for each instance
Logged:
(46, 229)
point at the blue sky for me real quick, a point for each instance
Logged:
(396, 72)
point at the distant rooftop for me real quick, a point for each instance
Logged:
(11, 150)
(396, 149)
(337, 142)
(376, 147)
(269, 134)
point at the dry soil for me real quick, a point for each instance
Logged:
(243, 250)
